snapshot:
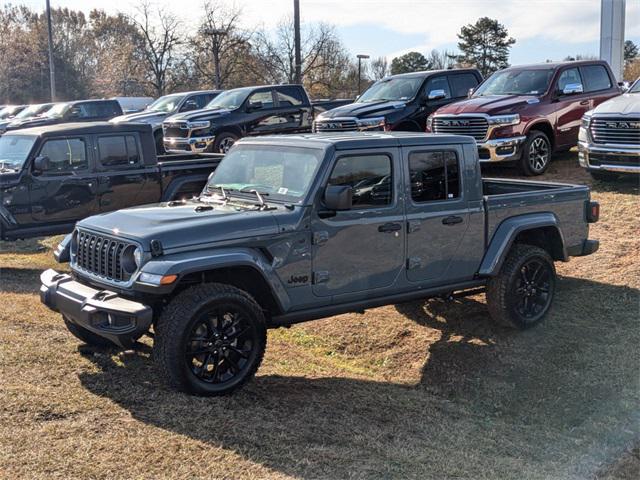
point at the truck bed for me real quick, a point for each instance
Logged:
(504, 198)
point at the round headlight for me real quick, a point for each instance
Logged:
(137, 257)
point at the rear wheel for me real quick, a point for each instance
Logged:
(86, 336)
(210, 340)
(536, 154)
(224, 142)
(521, 294)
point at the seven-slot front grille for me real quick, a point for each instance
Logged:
(475, 127)
(176, 130)
(616, 130)
(102, 256)
(345, 125)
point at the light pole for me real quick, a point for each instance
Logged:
(216, 34)
(360, 58)
(296, 40)
(52, 68)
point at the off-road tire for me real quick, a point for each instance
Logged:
(86, 336)
(221, 141)
(529, 160)
(501, 289)
(173, 333)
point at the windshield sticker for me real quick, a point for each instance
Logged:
(282, 191)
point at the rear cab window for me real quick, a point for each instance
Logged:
(289, 96)
(595, 78)
(118, 151)
(434, 175)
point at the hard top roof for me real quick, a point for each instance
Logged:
(84, 128)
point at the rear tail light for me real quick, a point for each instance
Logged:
(593, 212)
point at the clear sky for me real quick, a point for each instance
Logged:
(543, 29)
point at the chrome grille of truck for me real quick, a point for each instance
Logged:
(349, 125)
(101, 255)
(176, 130)
(616, 130)
(475, 127)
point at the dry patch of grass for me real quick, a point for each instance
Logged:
(419, 390)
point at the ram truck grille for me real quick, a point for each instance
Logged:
(476, 127)
(616, 130)
(176, 130)
(336, 125)
(101, 256)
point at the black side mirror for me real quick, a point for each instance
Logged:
(254, 106)
(338, 197)
(41, 164)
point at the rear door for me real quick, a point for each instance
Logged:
(437, 214)
(261, 114)
(293, 109)
(123, 179)
(67, 191)
(598, 83)
(362, 249)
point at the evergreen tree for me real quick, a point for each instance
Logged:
(485, 45)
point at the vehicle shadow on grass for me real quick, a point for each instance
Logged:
(20, 280)
(555, 401)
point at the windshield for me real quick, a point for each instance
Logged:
(58, 110)
(7, 112)
(166, 104)
(32, 111)
(230, 99)
(14, 150)
(635, 88)
(516, 82)
(282, 173)
(398, 88)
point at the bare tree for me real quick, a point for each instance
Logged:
(220, 48)
(161, 43)
(441, 60)
(379, 68)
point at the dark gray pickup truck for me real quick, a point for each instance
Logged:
(290, 229)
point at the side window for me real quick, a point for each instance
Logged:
(266, 98)
(434, 176)
(438, 83)
(461, 83)
(289, 96)
(570, 75)
(202, 100)
(118, 151)
(368, 175)
(65, 155)
(595, 78)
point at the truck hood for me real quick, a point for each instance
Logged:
(490, 104)
(363, 110)
(151, 117)
(204, 114)
(181, 226)
(32, 122)
(626, 104)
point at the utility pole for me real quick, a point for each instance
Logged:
(52, 68)
(296, 40)
(216, 34)
(360, 58)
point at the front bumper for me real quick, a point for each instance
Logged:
(191, 144)
(610, 158)
(102, 312)
(501, 149)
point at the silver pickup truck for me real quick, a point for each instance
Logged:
(296, 228)
(609, 138)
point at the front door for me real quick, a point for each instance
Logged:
(261, 114)
(66, 191)
(570, 107)
(361, 249)
(437, 215)
(123, 179)
(294, 116)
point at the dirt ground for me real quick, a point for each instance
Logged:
(424, 390)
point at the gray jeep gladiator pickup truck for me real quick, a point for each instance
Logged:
(296, 228)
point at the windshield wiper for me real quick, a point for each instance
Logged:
(260, 195)
(6, 168)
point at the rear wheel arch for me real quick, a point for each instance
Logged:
(548, 238)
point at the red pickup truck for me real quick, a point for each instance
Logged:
(526, 113)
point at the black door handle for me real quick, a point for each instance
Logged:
(584, 102)
(452, 220)
(389, 227)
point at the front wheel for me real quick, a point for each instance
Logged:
(521, 294)
(224, 142)
(536, 154)
(210, 340)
